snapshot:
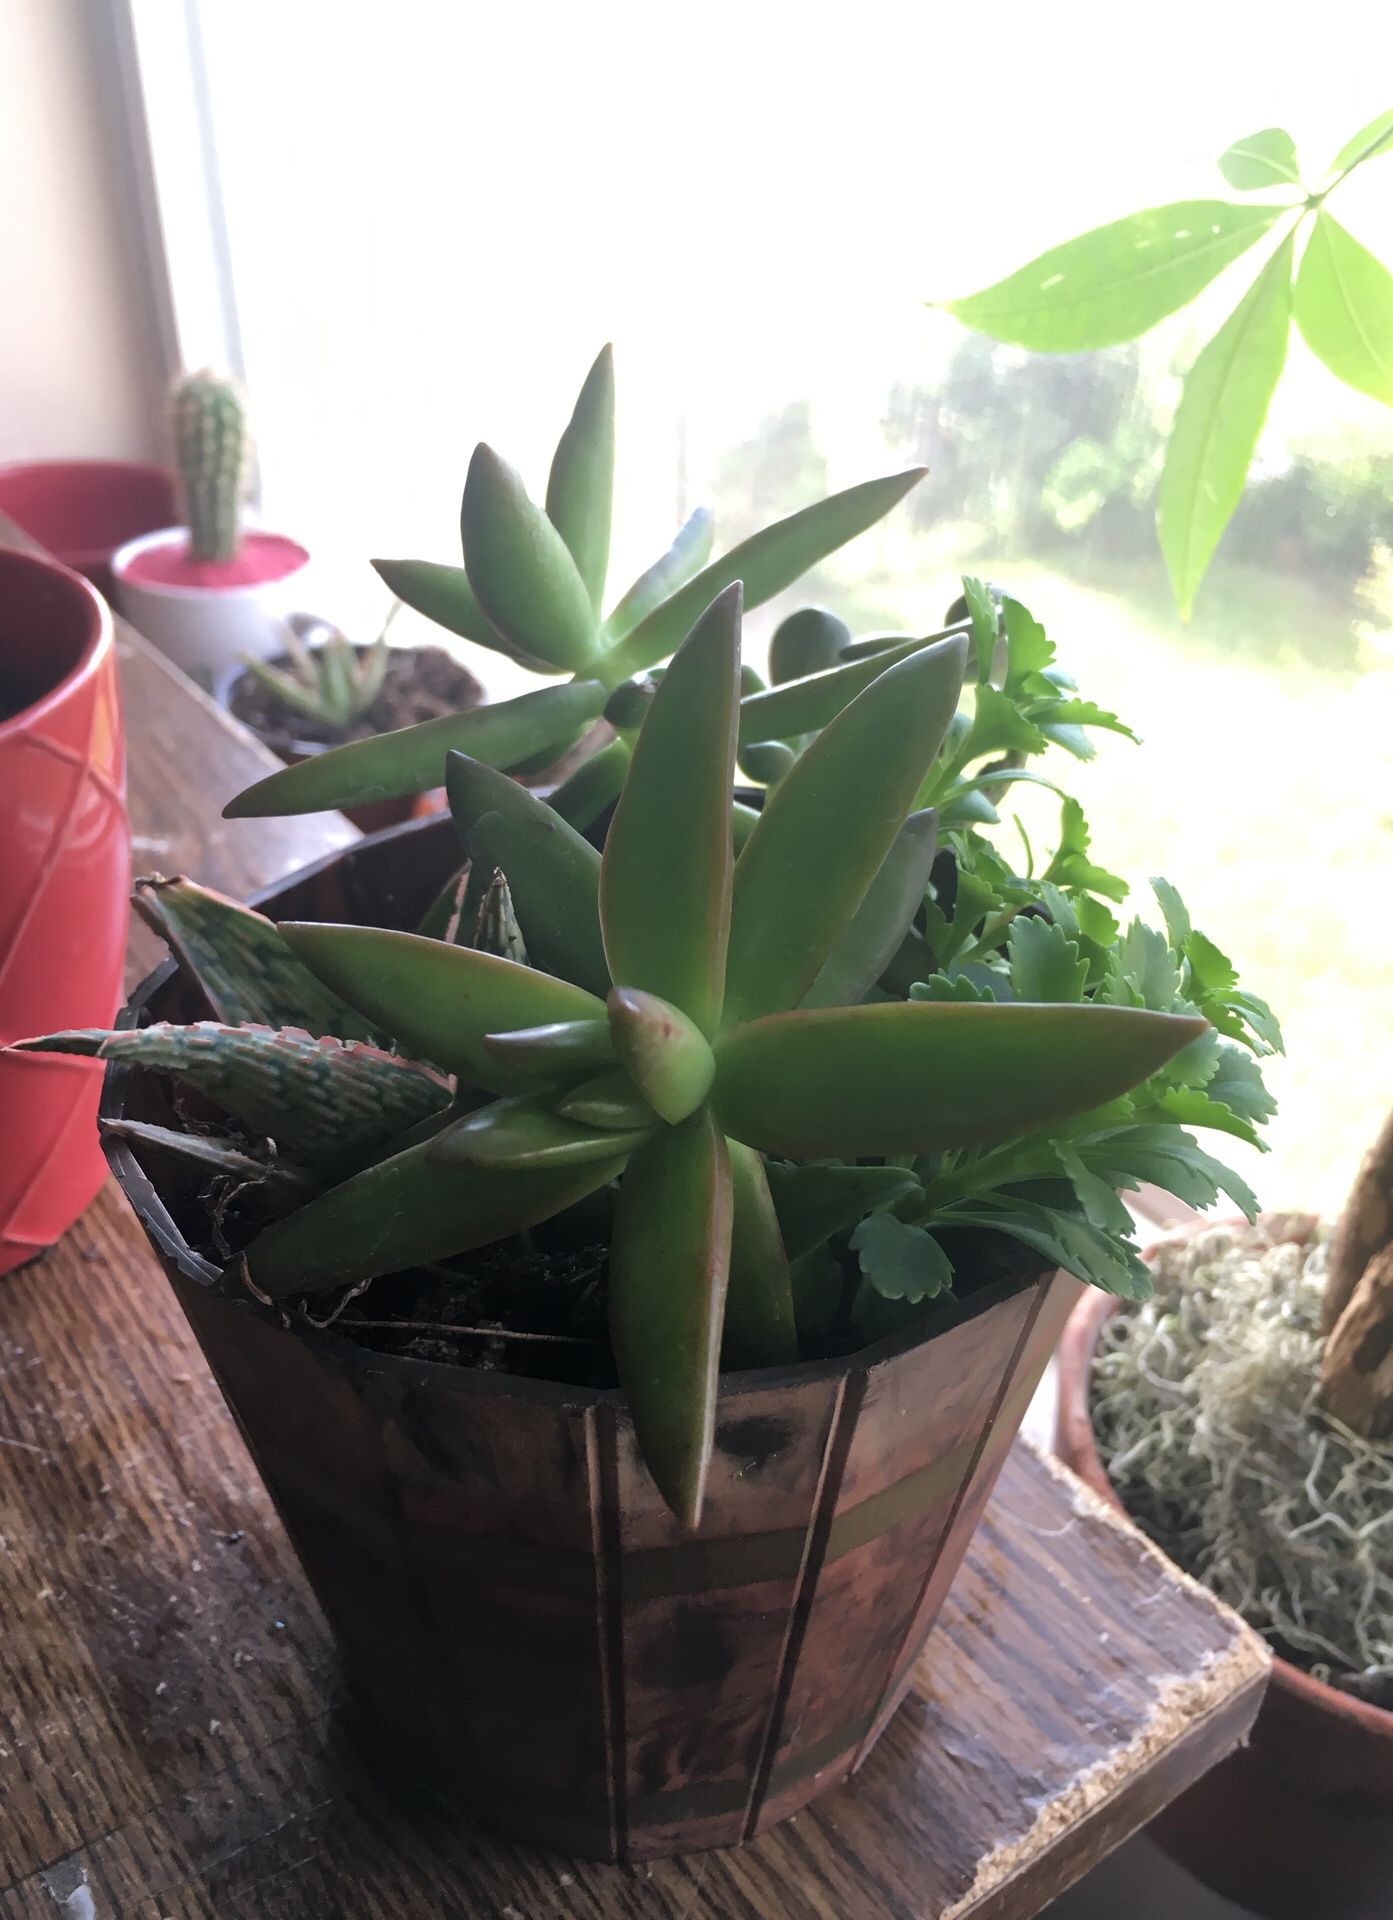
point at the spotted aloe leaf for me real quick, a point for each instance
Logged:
(580, 491)
(828, 826)
(329, 1104)
(242, 962)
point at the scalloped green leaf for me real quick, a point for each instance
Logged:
(580, 490)
(521, 569)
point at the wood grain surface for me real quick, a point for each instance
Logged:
(175, 1738)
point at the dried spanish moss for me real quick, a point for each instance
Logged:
(1203, 1403)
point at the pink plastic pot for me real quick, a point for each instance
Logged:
(83, 510)
(64, 881)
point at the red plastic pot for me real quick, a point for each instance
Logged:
(1298, 1825)
(64, 880)
(83, 510)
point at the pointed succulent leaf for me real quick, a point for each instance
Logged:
(688, 554)
(814, 1202)
(609, 1101)
(454, 912)
(553, 874)
(525, 1131)
(828, 826)
(437, 1000)
(443, 595)
(920, 1077)
(556, 1050)
(668, 1059)
(766, 563)
(521, 569)
(760, 1330)
(239, 958)
(668, 1270)
(580, 491)
(412, 760)
(808, 641)
(406, 1211)
(327, 1103)
(665, 877)
(595, 785)
(766, 761)
(804, 706)
(874, 933)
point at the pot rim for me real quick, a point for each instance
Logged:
(1077, 1446)
(80, 558)
(191, 1267)
(99, 645)
(163, 590)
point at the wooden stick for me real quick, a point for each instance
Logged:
(1356, 1380)
(1365, 1227)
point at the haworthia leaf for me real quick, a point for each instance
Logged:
(875, 931)
(1377, 137)
(828, 826)
(1221, 414)
(412, 760)
(553, 873)
(688, 554)
(1344, 308)
(241, 961)
(1117, 281)
(760, 1330)
(580, 491)
(444, 595)
(805, 706)
(327, 1103)
(526, 1131)
(668, 1269)
(521, 569)
(766, 563)
(439, 1000)
(406, 1211)
(1266, 159)
(665, 878)
(815, 1202)
(920, 1076)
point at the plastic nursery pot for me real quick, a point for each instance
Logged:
(1298, 1825)
(64, 880)
(515, 1605)
(83, 510)
(207, 615)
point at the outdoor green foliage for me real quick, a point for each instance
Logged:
(212, 448)
(1118, 281)
(532, 587)
(329, 681)
(817, 1063)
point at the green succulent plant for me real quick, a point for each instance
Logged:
(533, 587)
(212, 447)
(329, 679)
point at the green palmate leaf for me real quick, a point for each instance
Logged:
(439, 1000)
(804, 706)
(917, 1077)
(241, 961)
(580, 491)
(444, 595)
(815, 1202)
(808, 641)
(525, 1131)
(327, 1103)
(688, 554)
(873, 935)
(668, 1271)
(1045, 963)
(412, 760)
(406, 1211)
(1221, 414)
(1266, 159)
(1344, 308)
(1117, 281)
(902, 1262)
(766, 563)
(554, 874)
(760, 1328)
(665, 879)
(1377, 137)
(521, 569)
(828, 826)
(668, 1058)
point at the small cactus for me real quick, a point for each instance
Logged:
(213, 449)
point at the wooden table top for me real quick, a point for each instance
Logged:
(175, 1743)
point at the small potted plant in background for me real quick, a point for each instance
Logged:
(83, 511)
(214, 591)
(321, 691)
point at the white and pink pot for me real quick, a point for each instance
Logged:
(207, 615)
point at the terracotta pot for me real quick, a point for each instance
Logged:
(204, 627)
(83, 510)
(520, 1612)
(64, 880)
(1298, 1825)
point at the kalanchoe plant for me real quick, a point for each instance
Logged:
(704, 1033)
(328, 679)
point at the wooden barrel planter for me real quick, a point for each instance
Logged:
(1297, 1825)
(515, 1605)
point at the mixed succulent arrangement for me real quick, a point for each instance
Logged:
(795, 1058)
(326, 678)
